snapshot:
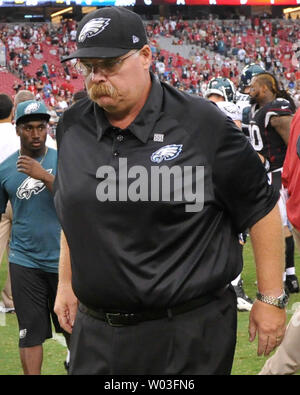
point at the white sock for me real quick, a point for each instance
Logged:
(290, 271)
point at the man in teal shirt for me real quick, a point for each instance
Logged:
(26, 179)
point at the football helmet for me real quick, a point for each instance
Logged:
(247, 74)
(221, 86)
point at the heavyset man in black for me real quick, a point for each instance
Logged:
(149, 265)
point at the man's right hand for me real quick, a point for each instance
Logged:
(65, 307)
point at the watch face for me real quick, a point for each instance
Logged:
(283, 301)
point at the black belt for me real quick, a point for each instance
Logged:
(125, 319)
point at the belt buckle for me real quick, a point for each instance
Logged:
(110, 318)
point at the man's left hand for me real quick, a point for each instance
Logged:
(269, 323)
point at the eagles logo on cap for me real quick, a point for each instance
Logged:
(33, 107)
(92, 28)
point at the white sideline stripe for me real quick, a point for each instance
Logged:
(60, 339)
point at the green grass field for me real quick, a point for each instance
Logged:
(246, 361)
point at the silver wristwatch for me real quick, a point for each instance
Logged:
(281, 301)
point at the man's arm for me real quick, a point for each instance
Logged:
(282, 125)
(66, 302)
(33, 168)
(266, 320)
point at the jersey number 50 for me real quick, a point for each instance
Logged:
(255, 137)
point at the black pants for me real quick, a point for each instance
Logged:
(199, 342)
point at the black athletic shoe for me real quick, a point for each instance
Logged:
(244, 303)
(292, 283)
(66, 365)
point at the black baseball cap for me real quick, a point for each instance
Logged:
(109, 32)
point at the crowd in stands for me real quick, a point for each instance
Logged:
(217, 48)
(234, 44)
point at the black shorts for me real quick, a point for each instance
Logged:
(34, 293)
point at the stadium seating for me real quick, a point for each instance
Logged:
(7, 82)
(186, 34)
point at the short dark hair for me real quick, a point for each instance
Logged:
(6, 106)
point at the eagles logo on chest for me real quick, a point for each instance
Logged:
(168, 152)
(30, 186)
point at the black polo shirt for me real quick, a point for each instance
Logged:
(151, 249)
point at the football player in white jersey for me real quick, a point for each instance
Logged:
(221, 91)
